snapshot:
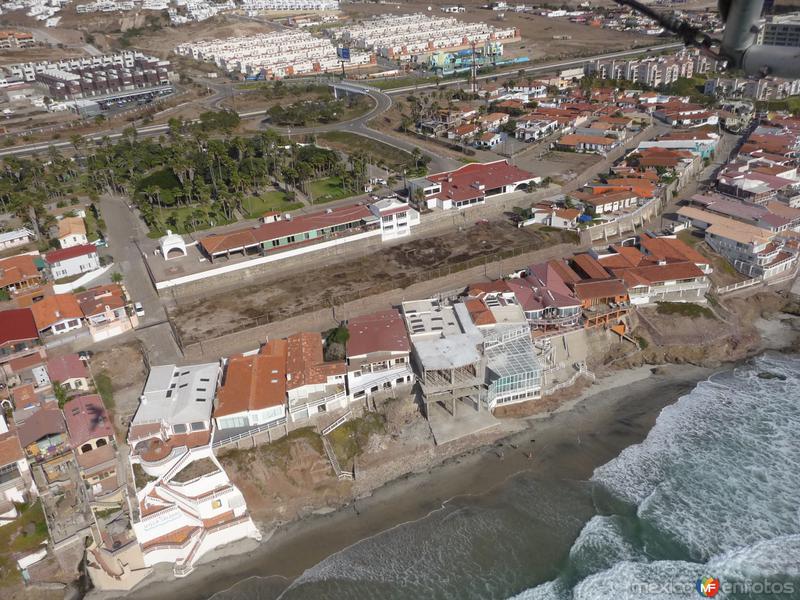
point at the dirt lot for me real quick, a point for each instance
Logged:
(563, 167)
(124, 365)
(389, 268)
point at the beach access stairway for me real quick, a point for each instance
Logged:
(330, 452)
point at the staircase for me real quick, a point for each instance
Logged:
(337, 469)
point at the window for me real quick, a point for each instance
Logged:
(179, 428)
(198, 426)
(101, 442)
(86, 448)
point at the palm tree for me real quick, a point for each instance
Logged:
(116, 277)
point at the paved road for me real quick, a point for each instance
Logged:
(124, 227)
(359, 124)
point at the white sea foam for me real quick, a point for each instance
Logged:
(717, 479)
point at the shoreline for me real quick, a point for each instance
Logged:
(571, 441)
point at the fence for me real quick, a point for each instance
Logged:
(251, 433)
(248, 334)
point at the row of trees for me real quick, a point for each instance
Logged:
(201, 169)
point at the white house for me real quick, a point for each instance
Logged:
(397, 217)
(73, 260)
(72, 232)
(18, 237)
(378, 354)
(187, 506)
(470, 185)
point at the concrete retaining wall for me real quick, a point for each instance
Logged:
(251, 336)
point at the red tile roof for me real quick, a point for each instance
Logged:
(87, 419)
(589, 266)
(66, 367)
(67, 253)
(383, 331)
(464, 182)
(94, 301)
(18, 269)
(52, 309)
(253, 382)
(304, 361)
(600, 290)
(17, 325)
(239, 238)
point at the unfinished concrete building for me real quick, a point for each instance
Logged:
(447, 353)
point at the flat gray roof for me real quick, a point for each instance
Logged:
(178, 394)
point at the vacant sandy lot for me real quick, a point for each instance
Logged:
(375, 272)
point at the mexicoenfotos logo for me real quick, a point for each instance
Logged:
(708, 587)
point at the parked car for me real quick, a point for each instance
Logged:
(138, 309)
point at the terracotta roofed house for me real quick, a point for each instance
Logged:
(378, 354)
(72, 232)
(312, 385)
(16, 482)
(104, 308)
(70, 371)
(254, 389)
(19, 335)
(57, 314)
(19, 273)
(92, 437)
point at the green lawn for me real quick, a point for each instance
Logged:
(327, 190)
(350, 439)
(178, 220)
(24, 534)
(276, 200)
(684, 309)
(392, 157)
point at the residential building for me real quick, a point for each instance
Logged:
(43, 435)
(531, 129)
(322, 229)
(253, 392)
(598, 204)
(274, 55)
(91, 435)
(57, 314)
(447, 351)
(106, 311)
(402, 37)
(780, 30)
(17, 237)
(72, 261)
(313, 386)
(753, 251)
(396, 217)
(378, 355)
(20, 273)
(604, 301)
(185, 504)
(16, 481)
(470, 185)
(72, 232)
(668, 272)
(586, 143)
(488, 140)
(16, 39)
(546, 299)
(70, 371)
(19, 337)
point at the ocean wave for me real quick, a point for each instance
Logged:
(714, 486)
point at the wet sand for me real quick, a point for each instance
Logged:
(609, 416)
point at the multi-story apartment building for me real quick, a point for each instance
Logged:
(781, 30)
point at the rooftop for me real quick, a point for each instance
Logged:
(17, 325)
(87, 419)
(95, 300)
(178, 395)
(305, 364)
(71, 252)
(45, 421)
(382, 331)
(66, 367)
(254, 382)
(52, 309)
(71, 226)
(473, 180)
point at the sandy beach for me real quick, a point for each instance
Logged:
(568, 444)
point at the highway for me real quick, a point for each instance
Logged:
(358, 125)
